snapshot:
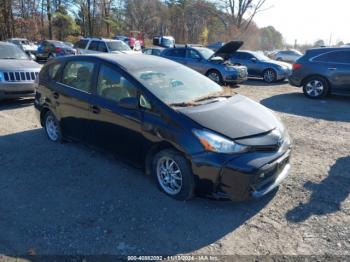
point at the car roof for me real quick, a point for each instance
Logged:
(7, 43)
(321, 50)
(129, 62)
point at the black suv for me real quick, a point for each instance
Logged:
(321, 71)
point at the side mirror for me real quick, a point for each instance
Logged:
(254, 60)
(129, 103)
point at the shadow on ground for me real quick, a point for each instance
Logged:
(332, 108)
(15, 103)
(261, 82)
(327, 196)
(66, 199)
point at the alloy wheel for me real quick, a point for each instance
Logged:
(214, 76)
(269, 76)
(52, 127)
(314, 88)
(169, 175)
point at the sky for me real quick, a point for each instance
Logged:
(308, 20)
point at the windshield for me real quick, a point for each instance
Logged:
(260, 56)
(205, 52)
(117, 46)
(167, 42)
(176, 84)
(12, 52)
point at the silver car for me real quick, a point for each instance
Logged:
(214, 65)
(290, 56)
(17, 72)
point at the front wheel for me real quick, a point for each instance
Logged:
(215, 76)
(270, 76)
(52, 127)
(173, 174)
(315, 87)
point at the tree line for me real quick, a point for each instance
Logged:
(189, 21)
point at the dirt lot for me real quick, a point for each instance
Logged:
(69, 199)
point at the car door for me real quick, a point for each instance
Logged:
(73, 96)
(177, 55)
(194, 59)
(337, 67)
(115, 127)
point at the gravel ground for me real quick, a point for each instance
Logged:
(68, 199)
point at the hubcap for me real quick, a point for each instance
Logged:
(52, 128)
(314, 88)
(169, 175)
(269, 76)
(214, 76)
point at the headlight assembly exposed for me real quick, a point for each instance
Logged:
(215, 143)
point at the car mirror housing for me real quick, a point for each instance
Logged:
(254, 60)
(129, 103)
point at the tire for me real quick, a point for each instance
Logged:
(52, 127)
(270, 76)
(315, 87)
(215, 75)
(176, 180)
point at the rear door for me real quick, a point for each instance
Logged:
(115, 128)
(177, 54)
(336, 65)
(93, 47)
(73, 95)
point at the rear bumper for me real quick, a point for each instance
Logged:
(295, 81)
(16, 90)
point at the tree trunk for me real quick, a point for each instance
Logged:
(49, 17)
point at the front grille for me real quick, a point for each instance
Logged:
(20, 76)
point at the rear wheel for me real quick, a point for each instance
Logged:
(173, 174)
(215, 76)
(52, 127)
(315, 87)
(270, 75)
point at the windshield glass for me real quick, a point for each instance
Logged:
(176, 84)
(260, 56)
(117, 46)
(205, 52)
(12, 52)
(167, 42)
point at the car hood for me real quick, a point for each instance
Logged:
(228, 49)
(20, 65)
(236, 117)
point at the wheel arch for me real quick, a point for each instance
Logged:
(303, 82)
(153, 151)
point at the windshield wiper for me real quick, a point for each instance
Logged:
(211, 97)
(183, 104)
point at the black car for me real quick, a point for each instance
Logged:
(49, 49)
(322, 71)
(191, 134)
(260, 65)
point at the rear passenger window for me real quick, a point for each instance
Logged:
(113, 86)
(181, 53)
(335, 57)
(78, 74)
(102, 47)
(81, 44)
(94, 45)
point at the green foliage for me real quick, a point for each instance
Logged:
(270, 38)
(63, 23)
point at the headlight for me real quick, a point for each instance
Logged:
(216, 143)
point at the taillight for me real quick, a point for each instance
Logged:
(296, 66)
(58, 50)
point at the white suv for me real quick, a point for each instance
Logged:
(101, 45)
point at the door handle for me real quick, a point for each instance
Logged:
(332, 69)
(56, 95)
(95, 109)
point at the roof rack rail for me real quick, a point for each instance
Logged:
(193, 45)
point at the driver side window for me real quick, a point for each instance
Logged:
(113, 86)
(193, 54)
